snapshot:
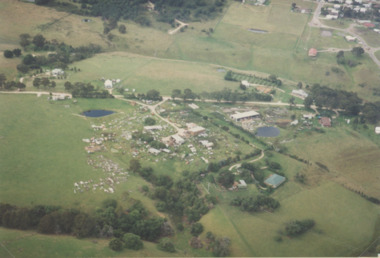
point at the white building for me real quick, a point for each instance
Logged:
(193, 106)
(300, 93)
(57, 72)
(350, 38)
(377, 130)
(245, 83)
(153, 128)
(245, 115)
(108, 84)
(154, 151)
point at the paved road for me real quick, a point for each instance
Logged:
(315, 22)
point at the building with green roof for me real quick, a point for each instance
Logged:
(274, 180)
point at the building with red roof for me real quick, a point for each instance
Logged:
(313, 52)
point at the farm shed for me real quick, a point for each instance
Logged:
(108, 84)
(243, 116)
(274, 180)
(377, 130)
(325, 121)
(242, 184)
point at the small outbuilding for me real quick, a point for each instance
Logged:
(242, 184)
(274, 180)
(108, 84)
(313, 52)
(377, 130)
(325, 121)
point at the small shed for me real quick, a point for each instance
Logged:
(313, 52)
(377, 130)
(325, 121)
(242, 184)
(274, 180)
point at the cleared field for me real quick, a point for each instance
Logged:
(21, 17)
(370, 36)
(344, 223)
(351, 158)
(377, 54)
(42, 153)
(30, 244)
(145, 73)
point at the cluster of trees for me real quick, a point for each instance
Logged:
(233, 96)
(322, 96)
(251, 204)
(298, 227)
(62, 54)
(11, 53)
(10, 85)
(148, 139)
(180, 198)
(187, 94)
(45, 82)
(342, 60)
(86, 90)
(372, 14)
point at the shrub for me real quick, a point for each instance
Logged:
(132, 241)
(166, 245)
(116, 244)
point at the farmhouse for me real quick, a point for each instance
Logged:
(58, 97)
(313, 52)
(56, 72)
(325, 121)
(244, 116)
(308, 116)
(207, 144)
(274, 180)
(377, 130)
(300, 93)
(108, 84)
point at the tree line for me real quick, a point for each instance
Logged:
(233, 96)
(10, 85)
(86, 90)
(260, 203)
(111, 220)
(323, 96)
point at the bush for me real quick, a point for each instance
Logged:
(8, 54)
(298, 227)
(132, 241)
(166, 245)
(196, 229)
(116, 244)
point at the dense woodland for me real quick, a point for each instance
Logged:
(137, 10)
(323, 96)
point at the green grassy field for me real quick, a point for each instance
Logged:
(350, 157)
(30, 244)
(43, 153)
(145, 73)
(331, 206)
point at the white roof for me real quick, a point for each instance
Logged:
(242, 182)
(154, 151)
(245, 83)
(193, 106)
(178, 139)
(108, 83)
(196, 129)
(377, 130)
(300, 93)
(153, 127)
(244, 115)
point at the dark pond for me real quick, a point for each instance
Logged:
(268, 131)
(97, 113)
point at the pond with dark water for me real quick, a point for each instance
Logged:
(97, 113)
(268, 131)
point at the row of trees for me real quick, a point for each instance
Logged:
(233, 96)
(153, 95)
(272, 79)
(45, 82)
(180, 198)
(108, 221)
(86, 90)
(11, 53)
(260, 203)
(10, 85)
(186, 95)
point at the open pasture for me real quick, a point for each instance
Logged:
(42, 153)
(351, 158)
(145, 73)
(30, 244)
(344, 223)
